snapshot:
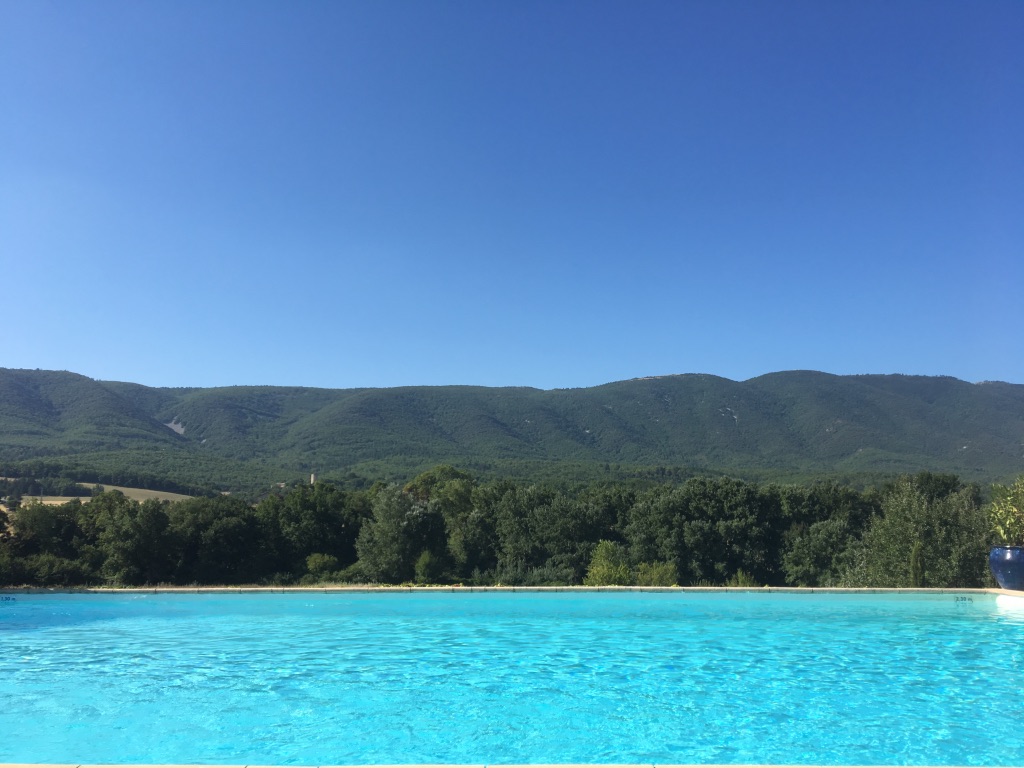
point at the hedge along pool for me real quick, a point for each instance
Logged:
(564, 677)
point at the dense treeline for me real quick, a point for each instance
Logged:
(14, 488)
(446, 527)
(57, 478)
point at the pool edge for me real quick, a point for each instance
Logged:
(459, 589)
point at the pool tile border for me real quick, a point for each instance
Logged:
(459, 589)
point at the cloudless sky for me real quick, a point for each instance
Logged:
(347, 193)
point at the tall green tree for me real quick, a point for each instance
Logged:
(132, 541)
(728, 526)
(397, 534)
(218, 541)
(937, 539)
(468, 515)
(653, 526)
(312, 519)
(825, 522)
(608, 566)
(47, 543)
(48, 528)
(519, 546)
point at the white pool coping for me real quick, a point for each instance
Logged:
(373, 589)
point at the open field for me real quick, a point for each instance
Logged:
(138, 494)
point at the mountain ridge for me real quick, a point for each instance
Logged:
(781, 423)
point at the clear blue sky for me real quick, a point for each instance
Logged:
(509, 192)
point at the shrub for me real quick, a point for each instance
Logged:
(608, 566)
(656, 575)
(741, 579)
(930, 541)
(52, 571)
(1006, 513)
(548, 575)
(320, 565)
(428, 568)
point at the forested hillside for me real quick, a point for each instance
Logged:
(797, 424)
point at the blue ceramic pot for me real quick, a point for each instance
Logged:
(1007, 564)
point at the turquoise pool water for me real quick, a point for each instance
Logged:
(512, 678)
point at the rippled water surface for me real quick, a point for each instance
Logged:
(317, 679)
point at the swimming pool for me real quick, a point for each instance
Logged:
(364, 678)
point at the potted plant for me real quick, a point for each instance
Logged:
(1006, 514)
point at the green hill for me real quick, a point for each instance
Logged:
(788, 424)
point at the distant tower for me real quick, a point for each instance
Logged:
(312, 478)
